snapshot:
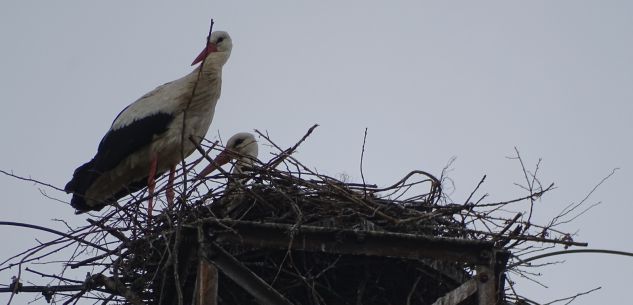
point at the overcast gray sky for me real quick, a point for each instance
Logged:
(430, 79)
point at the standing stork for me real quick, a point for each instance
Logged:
(152, 135)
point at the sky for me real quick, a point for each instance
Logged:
(430, 80)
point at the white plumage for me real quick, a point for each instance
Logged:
(145, 138)
(242, 147)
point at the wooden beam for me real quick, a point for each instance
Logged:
(459, 294)
(346, 241)
(240, 274)
(206, 284)
(486, 286)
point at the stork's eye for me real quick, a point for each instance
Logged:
(239, 141)
(220, 39)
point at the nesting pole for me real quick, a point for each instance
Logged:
(206, 284)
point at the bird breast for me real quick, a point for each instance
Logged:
(196, 116)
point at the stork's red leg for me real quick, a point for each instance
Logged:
(151, 184)
(170, 187)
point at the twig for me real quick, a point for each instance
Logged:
(362, 155)
(184, 119)
(69, 236)
(572, 298)
(555, 253)
(475, 190)
(286, 153)
(31, 180)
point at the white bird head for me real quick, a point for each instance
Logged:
(218, 48)
(243, 144)
(242, 147)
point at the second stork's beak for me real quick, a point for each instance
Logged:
(210, 48)
(223, 158)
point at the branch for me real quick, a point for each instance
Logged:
(600, 251)
(572, 298)
(362, 155)
(32, 180)
(72, 237)
(115, 285)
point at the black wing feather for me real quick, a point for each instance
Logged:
(120, 143)
(115, 146)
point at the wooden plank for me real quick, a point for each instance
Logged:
(345, 241)
(459, 294)
(244, 277)
(207, 284)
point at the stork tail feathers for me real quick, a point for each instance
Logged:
(83, 177)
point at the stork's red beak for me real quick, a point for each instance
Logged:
(223, 158)
(210, 48)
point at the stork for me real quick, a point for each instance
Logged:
(152, 135)
(242, 147)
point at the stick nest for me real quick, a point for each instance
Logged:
(134, 260)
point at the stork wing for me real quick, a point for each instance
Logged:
(132, 129)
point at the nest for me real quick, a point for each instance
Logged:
(264, 219)
(299, 199)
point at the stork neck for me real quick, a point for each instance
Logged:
(206, 90)
(242, 163)
(213, 64)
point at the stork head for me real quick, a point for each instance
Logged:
(242, 147)
(218, 48)
(244, 144)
